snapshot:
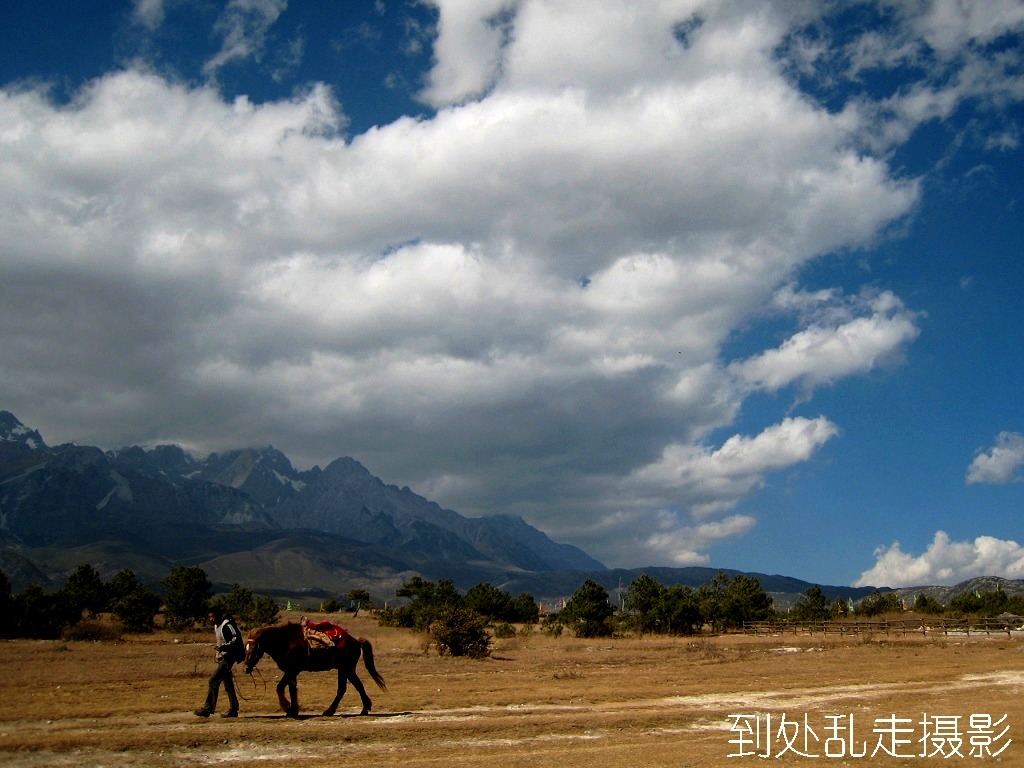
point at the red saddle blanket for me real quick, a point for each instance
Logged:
(322, 634)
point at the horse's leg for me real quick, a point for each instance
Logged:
(280, 693)
(329, 712)
(358, 685)
(293, 689)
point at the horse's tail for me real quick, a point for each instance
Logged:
(370, 667)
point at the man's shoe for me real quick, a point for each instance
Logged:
(203, 712)
(231, 713)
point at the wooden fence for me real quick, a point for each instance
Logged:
(933, 626)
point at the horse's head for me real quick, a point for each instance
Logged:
(253, 652)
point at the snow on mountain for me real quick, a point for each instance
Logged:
(13, 431)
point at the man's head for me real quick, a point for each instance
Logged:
(216, 614)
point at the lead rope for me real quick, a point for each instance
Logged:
(254, 688)
(248, 650)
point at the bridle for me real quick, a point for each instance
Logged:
(253, 654)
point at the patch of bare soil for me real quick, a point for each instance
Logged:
(538, 701)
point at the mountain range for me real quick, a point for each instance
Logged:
(249, 516)
(242, 513)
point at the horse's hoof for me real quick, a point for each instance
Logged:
(292, 713)
(329, 713)
(364, 712)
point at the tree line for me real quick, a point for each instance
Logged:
(460, 624)
(648, 606)
(185, 599)
(813, 605)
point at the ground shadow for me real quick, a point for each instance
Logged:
(314, 716)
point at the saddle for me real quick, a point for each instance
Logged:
(322, 634)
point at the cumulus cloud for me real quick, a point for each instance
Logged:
(834, 347)
(945, 562)
(1000, 464)
(517, 303)
(468, 49)
(708, 481)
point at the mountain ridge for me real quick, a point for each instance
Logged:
(170, 507)
(249, 516)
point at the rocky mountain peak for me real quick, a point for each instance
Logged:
(13, 431)
(219, 509)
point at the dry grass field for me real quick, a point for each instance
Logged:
(538, 701)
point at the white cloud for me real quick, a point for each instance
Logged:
(243, 26)
(950, 43)
(708, 482)
(658, 537)
(149, 13)
(836, 347)
(1001, 463)
(950, 25)
(945, 562)
(468, 49)
(520, 301)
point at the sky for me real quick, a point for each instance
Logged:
(680, 282)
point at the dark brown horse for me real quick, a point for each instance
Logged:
(287, 646)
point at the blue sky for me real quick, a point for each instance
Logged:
(682, 282)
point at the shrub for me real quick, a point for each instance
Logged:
(986, 604)
(91, 630)
(878, 603)
(929, 605)
(460, 631)
(43, 615)
(504, 630)
(390, 617)
(553, 628)
(136, 610)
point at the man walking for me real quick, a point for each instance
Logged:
(230, 650)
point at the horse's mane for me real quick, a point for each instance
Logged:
(274, 629)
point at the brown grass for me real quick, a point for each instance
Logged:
(538, 701)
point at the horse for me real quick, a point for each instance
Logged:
(287, 646)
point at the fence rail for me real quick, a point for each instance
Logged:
(934, 626)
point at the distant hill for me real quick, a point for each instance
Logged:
(980, 585)
(784, 590)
